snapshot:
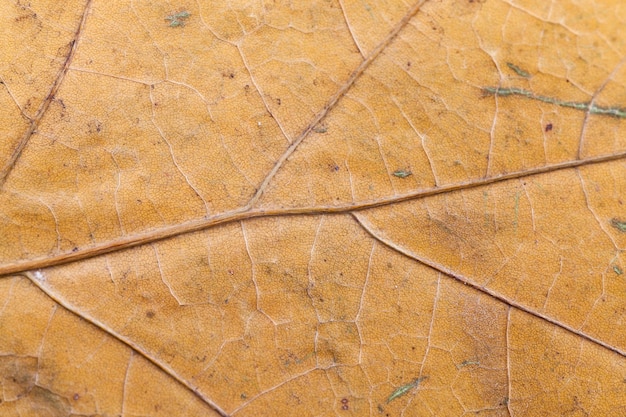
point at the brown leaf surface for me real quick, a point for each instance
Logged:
(330, 208)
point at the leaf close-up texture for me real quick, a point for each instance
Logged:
(335, 207)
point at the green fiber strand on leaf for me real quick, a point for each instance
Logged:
(402, 390)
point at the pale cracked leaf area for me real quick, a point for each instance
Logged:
(313, 208)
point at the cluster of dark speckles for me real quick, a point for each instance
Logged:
(344, 404)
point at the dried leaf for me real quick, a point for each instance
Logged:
(217, 219)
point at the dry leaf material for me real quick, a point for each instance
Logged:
(281, 208)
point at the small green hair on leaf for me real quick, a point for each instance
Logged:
(467, 363)
(619, 224)
(178, 19)
(518, 70)
(402, 173)
(402, 390)
(590, 106)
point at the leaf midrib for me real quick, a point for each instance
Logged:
(249, 212)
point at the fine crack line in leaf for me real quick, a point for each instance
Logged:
(34, 122)
(247, 213)
(172, 154)
(333, 101)
(491, 293)
(125, 384)
(127, 342)
(508, 359)
(162, 275)
(345, 17)
(273, 388)
(357, 317)
(262, 96)
(602, 295)
(591, 102)
(14, 98)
